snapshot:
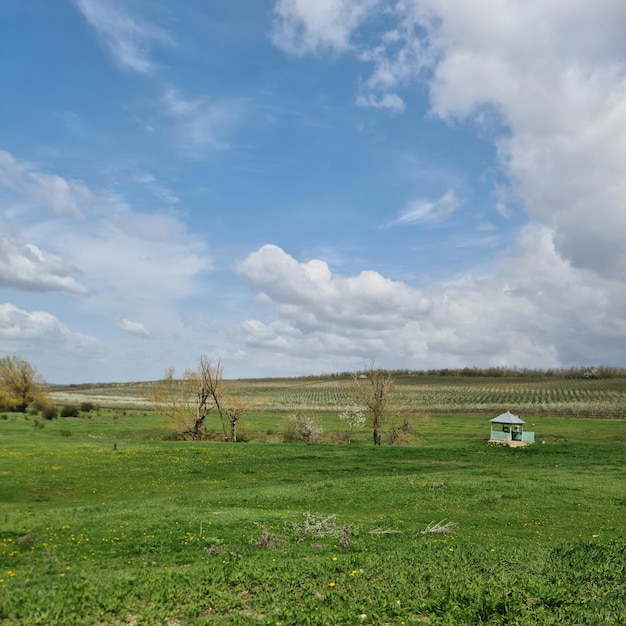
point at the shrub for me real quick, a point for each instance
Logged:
(49, 412)
(301, 427)
(400, 435)
(69, 410)
(355, 416)
(87, 407)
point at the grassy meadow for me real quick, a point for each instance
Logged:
(106, 519)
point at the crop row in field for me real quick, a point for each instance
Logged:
(559, 397)
(566, 397)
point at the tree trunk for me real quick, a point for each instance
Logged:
(196, 428)
(377, 436)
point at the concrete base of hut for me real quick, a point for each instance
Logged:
(511, 444)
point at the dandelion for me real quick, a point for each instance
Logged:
(353, 572)
(334, 558)
(331, 583)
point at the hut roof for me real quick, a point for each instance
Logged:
(507, 418)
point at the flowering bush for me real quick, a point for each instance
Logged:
(301, 427)
(355, 416)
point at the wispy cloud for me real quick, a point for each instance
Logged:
(128, 261)
(66, 198)
(158, 190)
(391, 101)
(127, 39)
(421, 212)
(200, 124)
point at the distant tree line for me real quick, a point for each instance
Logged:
(578, 372)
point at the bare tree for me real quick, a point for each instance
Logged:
(234, 411)
(373, 387)
(188, 400)
(20, 385)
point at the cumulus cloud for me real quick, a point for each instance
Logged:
(134, 328)
(552, 73)
(309, 25)
(60, 354)
(308, 294)
(17, 325)
(561, 91)
(531, 310)
(26, 267)
(127, 39)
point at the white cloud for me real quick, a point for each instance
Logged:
(26, 267)
(131, 265)
(133, 260)
(41, 338)
(158, 190)
(552, 72)
(32, 327)
(391, 101)
(124, 256)
(531, 312)
(134, 328)
(421, 211)
(561, 90)
(66, 198)
(309, 25)
(200, 124)
(128, 40)
(307, 292)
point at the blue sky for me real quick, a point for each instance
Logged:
(304, 186)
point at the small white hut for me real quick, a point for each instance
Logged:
(508, 429)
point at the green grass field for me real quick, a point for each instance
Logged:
(105, 521)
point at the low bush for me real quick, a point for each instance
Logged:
(49, 412)
(69, 410)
